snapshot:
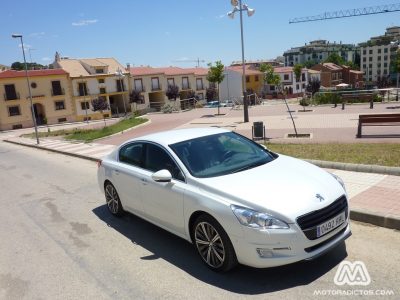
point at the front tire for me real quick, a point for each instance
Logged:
(112, 200)
(213, 244)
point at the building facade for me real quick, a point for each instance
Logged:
(378, 55)
(318, 51)
(152, 85)
(51, 97)
(289, 82)
(96, 78)
(331, 74)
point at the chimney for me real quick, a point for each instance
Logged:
(128, 66)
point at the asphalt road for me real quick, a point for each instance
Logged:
(57, 241)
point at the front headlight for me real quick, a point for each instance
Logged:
(254, 219)
(339, 180)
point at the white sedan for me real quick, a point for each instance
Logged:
(236, 201)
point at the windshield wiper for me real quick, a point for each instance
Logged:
(251, 166)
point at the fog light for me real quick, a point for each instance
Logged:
(264, 252)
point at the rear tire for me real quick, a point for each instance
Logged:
(112, 200)
(213, 244)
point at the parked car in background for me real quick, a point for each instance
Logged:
(212, 104)
(227, 103)
(236, 201)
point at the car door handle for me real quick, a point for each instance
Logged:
(143, 180)
(116, 172)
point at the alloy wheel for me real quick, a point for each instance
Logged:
(209, 244)
(112, 198)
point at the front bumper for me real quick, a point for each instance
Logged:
(271, 248)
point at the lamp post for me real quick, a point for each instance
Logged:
(121, 85)
(19, 36)
(238, 6)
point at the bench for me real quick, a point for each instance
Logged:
(377, 120)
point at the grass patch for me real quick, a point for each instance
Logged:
(88, 135)
(369, 154)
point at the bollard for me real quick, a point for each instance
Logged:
(371, 104)
(342, 105)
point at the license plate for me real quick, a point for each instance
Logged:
(331, 224)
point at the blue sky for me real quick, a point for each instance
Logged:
(160, 32)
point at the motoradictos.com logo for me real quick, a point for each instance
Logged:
(353, 274)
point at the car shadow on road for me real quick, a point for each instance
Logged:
(241, 280)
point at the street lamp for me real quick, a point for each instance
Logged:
(19, 36)
(238, 6)
(121, 85)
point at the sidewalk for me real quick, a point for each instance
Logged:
(374, 198)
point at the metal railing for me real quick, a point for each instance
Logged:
(7, 98)
(60, 92)
(156, 105)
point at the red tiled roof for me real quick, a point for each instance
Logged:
(332, 66)
(198, 71)
(249, 70)
(283, 70)
(32, 73)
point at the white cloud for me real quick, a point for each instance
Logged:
(220, 16)
(84, 22)
(37, 34)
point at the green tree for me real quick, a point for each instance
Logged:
(100, 104)
(310, 63)
(19, 66)
(335, 58)
(216, 75)
(297, 69)
(172, 92)
(269, 76)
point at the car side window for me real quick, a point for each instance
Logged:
(158, 159)
(132, 154)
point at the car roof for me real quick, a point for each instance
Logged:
(169, 137)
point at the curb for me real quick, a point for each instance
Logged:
(54, 150)
(356, 167)
(388, 221)
(361, 215)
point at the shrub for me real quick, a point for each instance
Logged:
(304, 102)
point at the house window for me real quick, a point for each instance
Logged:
(138, 85)
(99, 71)
(297, 86)
(364, 59)
(171, 82)
(120, 85)
(11, 93)
(385, 65)
(185, 83)
(379, 58)
(56, 88)
(14, 111)
(303, 77)
(101, 80)
(364, 52)
(82, 89)
(85, 105)
(272, 88)
(370, 59)
(378, 65)
(103, 90)
(60, 105)
(385, 50)
(286, 77)
(199, 84)
(370, 51)
(247, 78)
(155, 84)
(384, 71)
(256, 78)
(370, 66)
(379, 50)
(364, 66)
(370, 72)
(304, 85)
(385, 57)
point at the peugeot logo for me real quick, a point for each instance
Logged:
(319, 197)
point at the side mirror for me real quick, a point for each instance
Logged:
(162, 176)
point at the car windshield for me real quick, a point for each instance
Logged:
(221, 154)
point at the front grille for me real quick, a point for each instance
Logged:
(309, 221)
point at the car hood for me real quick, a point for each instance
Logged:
(286, 188)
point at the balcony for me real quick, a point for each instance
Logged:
(11, 97)
(57, 92)
(185, 87)
(156, 87)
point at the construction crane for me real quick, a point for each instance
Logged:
(197, 61)
(355, 12)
